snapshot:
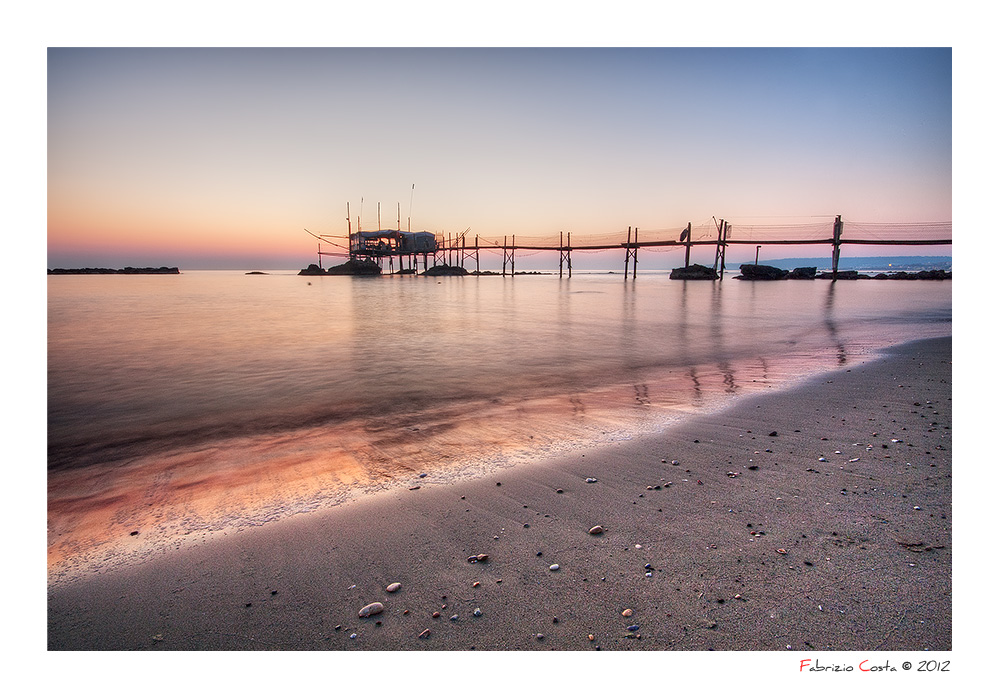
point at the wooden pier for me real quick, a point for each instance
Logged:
(404, 250)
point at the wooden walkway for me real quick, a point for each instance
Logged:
(459, 250)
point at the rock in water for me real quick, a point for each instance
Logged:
(694, 272)
(762, 273)
(371, 610)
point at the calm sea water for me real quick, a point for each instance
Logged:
(195, 401)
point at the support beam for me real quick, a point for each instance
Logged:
(686, 239)
(838, 228)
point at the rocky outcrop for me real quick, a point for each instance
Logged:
(844, 274)
(938, 274)
(761, 273)
(361, 268)
(445, 271)
(125, 270)
(802, 273)
(694, 272)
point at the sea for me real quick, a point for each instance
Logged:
(182, 407)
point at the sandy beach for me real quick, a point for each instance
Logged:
(817, 518)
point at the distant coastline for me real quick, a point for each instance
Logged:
(124, 270)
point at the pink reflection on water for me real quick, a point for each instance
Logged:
(182, 497)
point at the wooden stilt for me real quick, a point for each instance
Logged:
(838, 229)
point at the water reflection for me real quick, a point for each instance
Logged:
(355, 382)
(831, 325)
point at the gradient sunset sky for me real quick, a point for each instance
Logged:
(220, 157)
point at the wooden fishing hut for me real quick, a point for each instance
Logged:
(406, 246)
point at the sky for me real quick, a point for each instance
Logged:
(219, 158)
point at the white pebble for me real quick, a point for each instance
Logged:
(554, 566)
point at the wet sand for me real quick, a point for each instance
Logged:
(813, 519)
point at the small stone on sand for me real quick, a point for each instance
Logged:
(371, 610)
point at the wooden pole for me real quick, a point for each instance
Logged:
(838, 228)
(718, 245)
(627, 243)
(569, 251)
(687, 247)
(561, 253)
(635, 252)
(726, 227)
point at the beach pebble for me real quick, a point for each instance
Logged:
(454, 617)
(627, 612)
(597, 530)
(591, 480)
(633, 627)
(675, 462)
(477, 612)
(371, 610)
(353, 636)
(394, 587)
(424, 634)
(554, 566)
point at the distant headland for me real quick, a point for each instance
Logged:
(124, 270)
